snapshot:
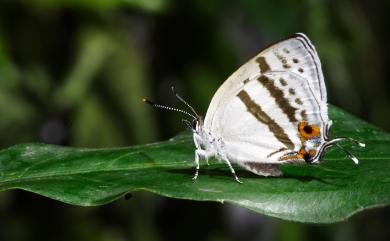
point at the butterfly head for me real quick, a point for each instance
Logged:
(197, 124)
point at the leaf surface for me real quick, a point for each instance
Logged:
(325, 193)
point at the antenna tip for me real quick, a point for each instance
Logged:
(147, 101)
(355, 160)
(362, 144)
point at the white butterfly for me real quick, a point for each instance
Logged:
(273, 110)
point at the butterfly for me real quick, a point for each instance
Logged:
(273, 110)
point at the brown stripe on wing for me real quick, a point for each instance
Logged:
(260, 115)
(277, 151)
(263, 65)
(279, 97)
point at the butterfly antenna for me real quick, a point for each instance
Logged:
(350, 155)
(182, 100)
(167, 107)
(353, 141)
(335, 141)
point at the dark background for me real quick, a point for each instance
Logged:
(74, 73)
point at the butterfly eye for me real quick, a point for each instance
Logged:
(194, 124)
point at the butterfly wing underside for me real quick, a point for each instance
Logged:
(257, 109)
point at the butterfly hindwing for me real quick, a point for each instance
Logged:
(260, 124)
(261, 169)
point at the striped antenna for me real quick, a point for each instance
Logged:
(167, 107)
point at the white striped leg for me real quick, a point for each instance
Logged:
(198, 153)
(232, 170)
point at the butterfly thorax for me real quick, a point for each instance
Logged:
(205, 140)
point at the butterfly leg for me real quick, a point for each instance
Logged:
(232, 170)
(198, 154)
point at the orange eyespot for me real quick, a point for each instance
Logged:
(298, 155)
(312, 152)
(301, 154)
(308, 131)
(290, 157)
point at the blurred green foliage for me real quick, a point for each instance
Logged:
(145, 5)
(73, 73)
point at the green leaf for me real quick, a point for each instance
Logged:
(325, 193)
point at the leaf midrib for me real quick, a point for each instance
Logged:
(134, 167)
(144, 166)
